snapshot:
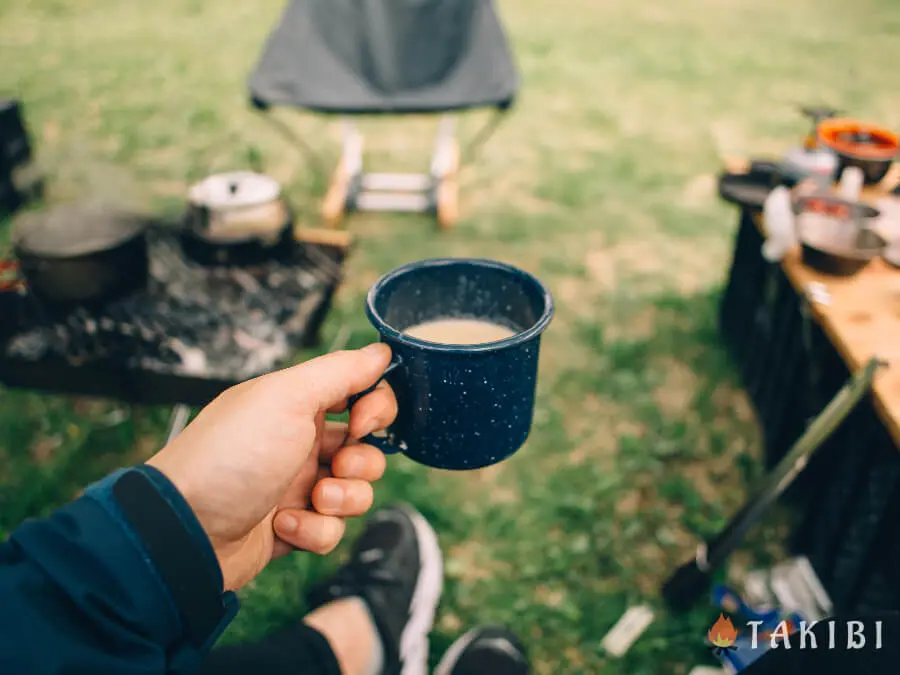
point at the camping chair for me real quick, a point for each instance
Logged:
(391, 57)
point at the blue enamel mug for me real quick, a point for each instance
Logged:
(460, 406)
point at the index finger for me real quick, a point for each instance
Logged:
(329, 380)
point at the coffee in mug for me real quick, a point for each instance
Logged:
(451, 331)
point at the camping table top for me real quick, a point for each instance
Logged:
(861, 317)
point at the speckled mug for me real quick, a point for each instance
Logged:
(460, 406)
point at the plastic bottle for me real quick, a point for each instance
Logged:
(781, 234)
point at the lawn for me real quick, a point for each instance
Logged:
(602, 183)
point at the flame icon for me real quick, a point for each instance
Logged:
(723, 633)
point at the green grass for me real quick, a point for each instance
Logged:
(602, 183)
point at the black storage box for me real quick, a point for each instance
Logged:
(19, 179)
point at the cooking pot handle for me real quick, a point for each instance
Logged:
(383, 443)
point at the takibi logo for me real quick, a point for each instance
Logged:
(849, 635)
(723, 633)
(839, 635)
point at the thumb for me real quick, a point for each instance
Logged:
(329, 380)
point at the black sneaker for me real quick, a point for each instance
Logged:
(397, 569)
(491, 650)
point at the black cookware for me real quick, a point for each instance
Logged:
(870, 147)
(81, 254)
(749, 189)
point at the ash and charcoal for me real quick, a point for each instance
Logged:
(207, 322)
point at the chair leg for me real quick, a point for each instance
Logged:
(447, 193)
(447, 203)
(335, 202)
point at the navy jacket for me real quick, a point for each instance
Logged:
(122, 581)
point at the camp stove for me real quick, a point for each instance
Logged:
(194, 330)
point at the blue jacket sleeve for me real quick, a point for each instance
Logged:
(91, 590)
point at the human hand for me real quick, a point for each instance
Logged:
(265, 473)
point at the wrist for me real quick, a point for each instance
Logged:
(162, 524)
(228, 555)
(183, 488)
(177, 495)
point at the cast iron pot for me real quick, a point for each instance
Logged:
(81, 255)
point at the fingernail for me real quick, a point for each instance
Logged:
(373, 348)
(329, 535)
(331, 496)
(333, 532)
(286, 524)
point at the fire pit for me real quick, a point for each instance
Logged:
(194, 330)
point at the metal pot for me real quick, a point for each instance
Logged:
(79, 255)
(840, 240)
(846, 260)
(235, 219)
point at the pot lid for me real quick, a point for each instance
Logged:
(75, 229)
(237, 189)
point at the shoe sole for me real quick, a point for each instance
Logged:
(452, 655)
(427, 593)
(507, 642)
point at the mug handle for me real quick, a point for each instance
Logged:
(382, 444)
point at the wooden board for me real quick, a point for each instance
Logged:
(862, 319)
(323, 236)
